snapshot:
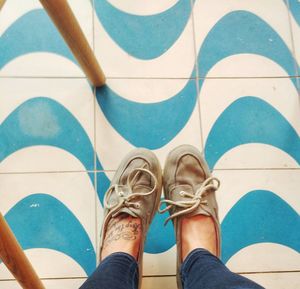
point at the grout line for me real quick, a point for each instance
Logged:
(206, 77)
(292, 37)
(50, 278)
(95, 178)
(114, 170)
(194, 39)
(46, 172)
(269, 272)
(256, 169)
(251, 77)
(164, 275)
(42, 77)
(197, 76)
(154, 78)
(293, 47)
(245, 273)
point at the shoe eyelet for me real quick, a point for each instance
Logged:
(137, 205)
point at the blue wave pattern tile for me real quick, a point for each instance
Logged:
(241, 32)
(144, 37)
(258, 218)
(43, 121)
(236, 126)
(295, 9)
(151, 125)
(53, 226)
(38, 34)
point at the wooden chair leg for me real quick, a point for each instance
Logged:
(2, 3)
(64, 19)
(15, 260)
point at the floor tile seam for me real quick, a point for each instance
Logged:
(231, 169)
(107, 77)
(292, 37)
(297, 77)
(269, 272)
(42, 77)
(237, 272)
(46, 172)
(95, 175)
(197, 75)
(114, 170)
(165, 275)
(251, 77)
(194, 39)
(257, 169)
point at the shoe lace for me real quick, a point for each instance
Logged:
(126, 200)
(197, 199)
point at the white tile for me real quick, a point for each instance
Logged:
(160, 123)
(236, 183)
(49, 284)
(35, 45)
(259, 211)
(149, 40)
(250, 123)
(47, 125)
(161, 263)
(168, 282)
(230, 31)
(289, 280)
(53, 217)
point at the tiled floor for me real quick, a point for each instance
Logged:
(221, 75)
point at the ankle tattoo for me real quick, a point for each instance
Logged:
(122, 228)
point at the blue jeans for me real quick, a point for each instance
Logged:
(200, 270)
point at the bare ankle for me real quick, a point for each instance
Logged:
(123, 234)
(198, 232)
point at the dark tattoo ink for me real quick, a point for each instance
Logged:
(121, 229)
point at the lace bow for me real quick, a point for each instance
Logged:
(123, 200)
(189, 206)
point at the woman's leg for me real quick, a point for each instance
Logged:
(129, 206)
(190, 198)
(203, 270)
(117, 271)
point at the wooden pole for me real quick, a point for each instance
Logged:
(15, 260)
(2, 3)
(64, 19)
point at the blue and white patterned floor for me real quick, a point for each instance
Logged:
(222, 75)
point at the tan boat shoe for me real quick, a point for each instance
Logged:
(134, 190)
(189, 190)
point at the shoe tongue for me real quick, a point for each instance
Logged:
(140, 178)
(189, 171)
(126, 211)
